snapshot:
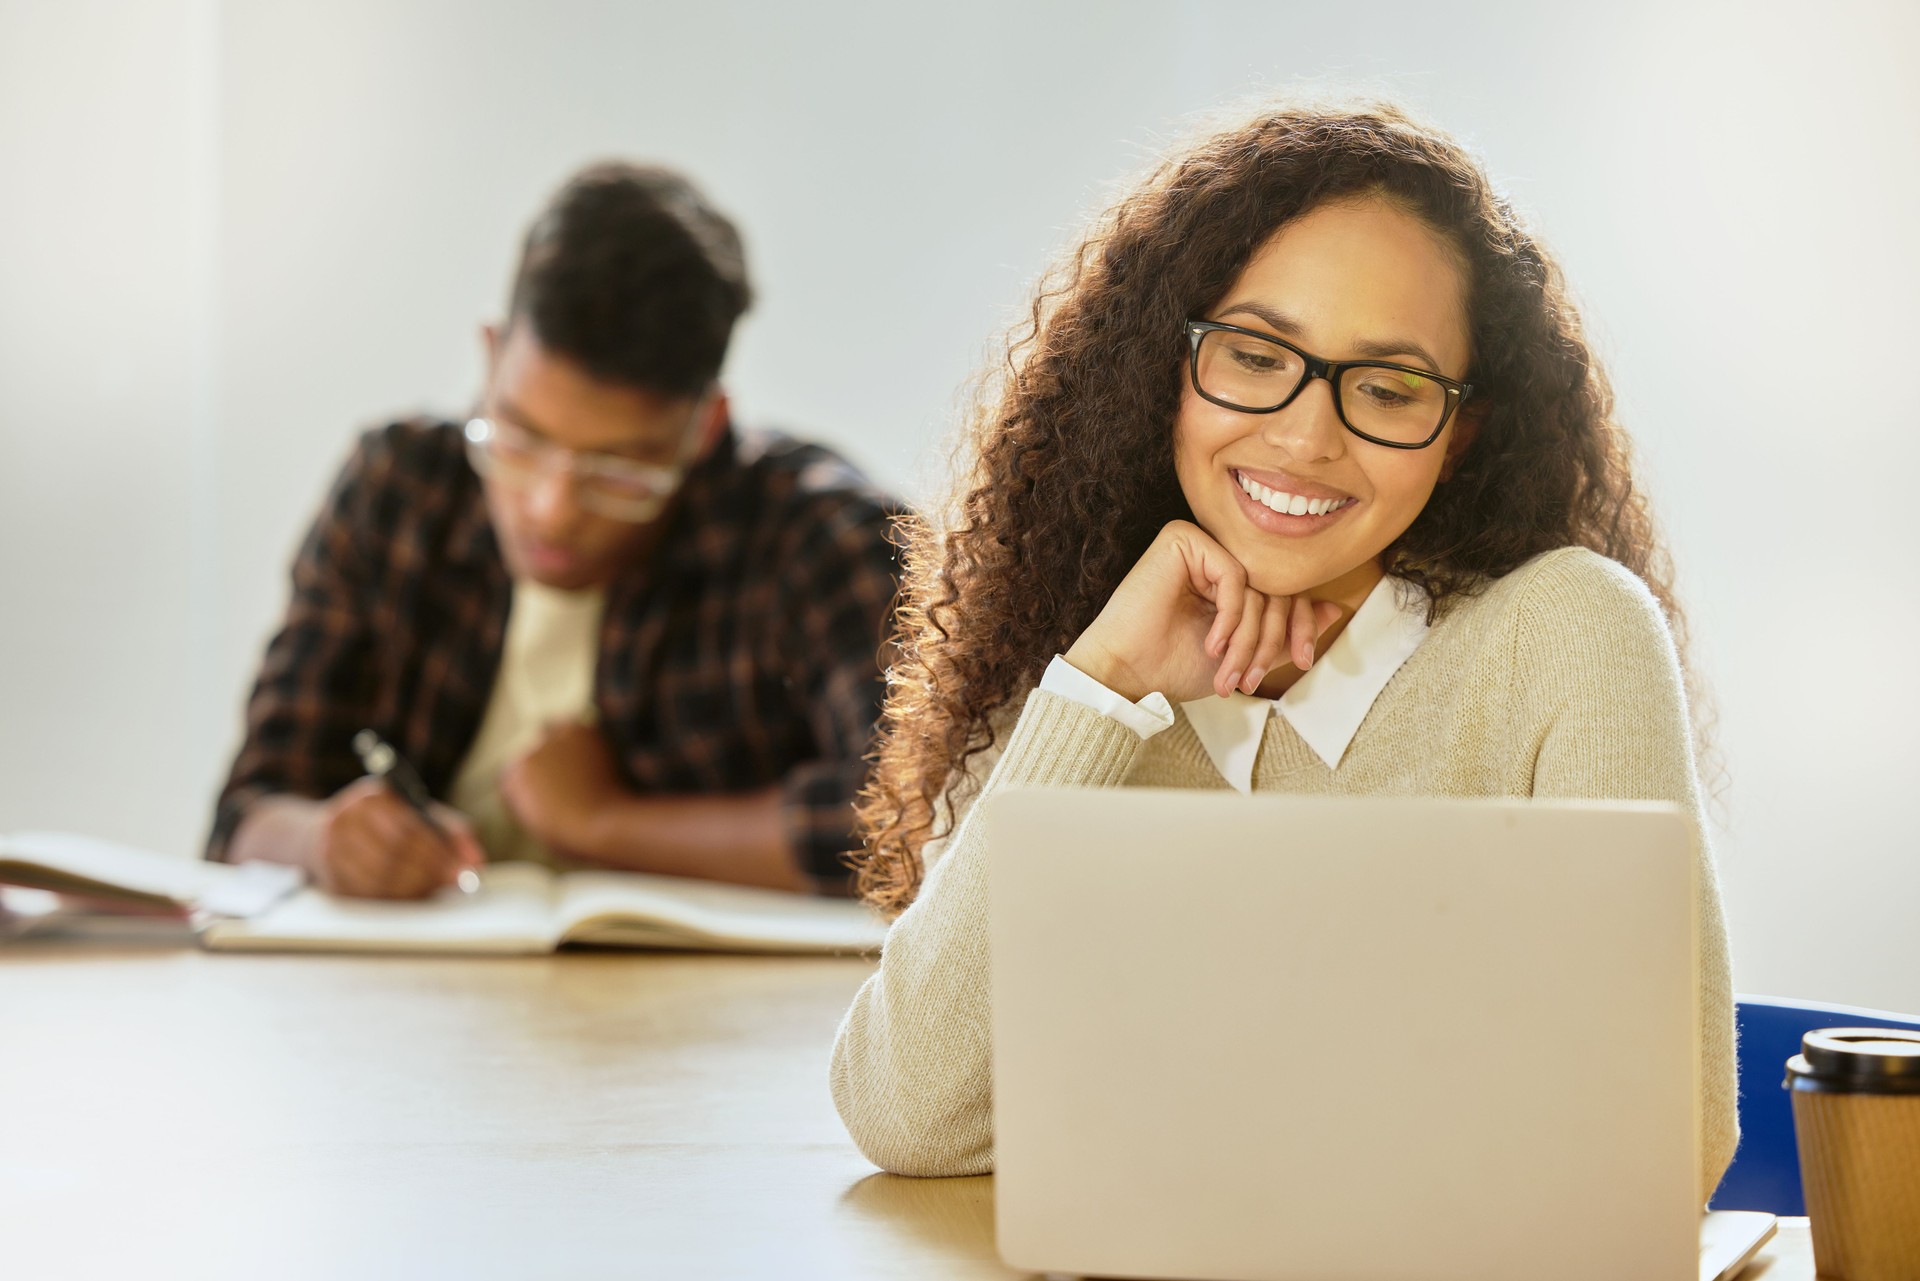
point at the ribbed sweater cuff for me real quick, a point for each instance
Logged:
(1059, 742)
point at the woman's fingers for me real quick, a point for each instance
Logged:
(1223, 582)
(1290, 631)
(1273, 642)
(1244, 643)
(1307, 623)
(1211, 573)
(1302, 634)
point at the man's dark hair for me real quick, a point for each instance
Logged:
(630, 272)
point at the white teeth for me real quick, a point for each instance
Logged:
(1288, 504)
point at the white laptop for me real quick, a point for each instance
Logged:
(1280, 1038)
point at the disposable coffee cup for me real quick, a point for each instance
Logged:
(1856, 1111)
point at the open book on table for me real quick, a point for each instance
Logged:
(68, 863)
(523, 908)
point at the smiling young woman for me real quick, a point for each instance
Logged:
(1310, 389)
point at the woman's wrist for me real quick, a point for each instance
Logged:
(1094, 660)
(1146, 716)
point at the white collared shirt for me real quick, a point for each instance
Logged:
(1325, 706)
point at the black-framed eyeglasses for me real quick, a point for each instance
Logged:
(1393, 405)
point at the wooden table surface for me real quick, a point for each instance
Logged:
(165, 1112)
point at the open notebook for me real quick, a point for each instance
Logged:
(523, 908)
(68, 863)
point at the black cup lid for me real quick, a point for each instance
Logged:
(1857, 1060)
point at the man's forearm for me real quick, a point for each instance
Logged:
(740, 838)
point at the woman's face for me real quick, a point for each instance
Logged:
(1357, 279)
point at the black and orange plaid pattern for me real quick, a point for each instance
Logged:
(745, 653)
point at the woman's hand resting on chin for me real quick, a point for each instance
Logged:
(1185, 623)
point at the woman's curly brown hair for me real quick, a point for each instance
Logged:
(1068, 460)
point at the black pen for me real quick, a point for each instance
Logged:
(383, 761)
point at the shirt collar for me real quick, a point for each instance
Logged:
(1327, 705)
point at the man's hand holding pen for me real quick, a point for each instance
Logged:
(372, 844)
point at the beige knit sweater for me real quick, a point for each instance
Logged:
(1559, 680)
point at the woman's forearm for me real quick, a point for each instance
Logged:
(912, 1065)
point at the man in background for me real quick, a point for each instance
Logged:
(602, 624)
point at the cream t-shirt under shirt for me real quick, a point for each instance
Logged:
(546, 675)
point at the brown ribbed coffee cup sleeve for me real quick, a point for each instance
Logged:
(1860, 1168)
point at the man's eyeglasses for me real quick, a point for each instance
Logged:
(605, 484)
(1393, 405)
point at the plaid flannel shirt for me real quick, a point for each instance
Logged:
(744, 653)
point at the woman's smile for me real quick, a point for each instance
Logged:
(1282, 504)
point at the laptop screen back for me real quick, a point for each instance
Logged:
(1284, 1037)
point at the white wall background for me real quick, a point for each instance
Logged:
(230, 234)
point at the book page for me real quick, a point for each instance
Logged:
(636, 909)
(85, 865)
(511, 912)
